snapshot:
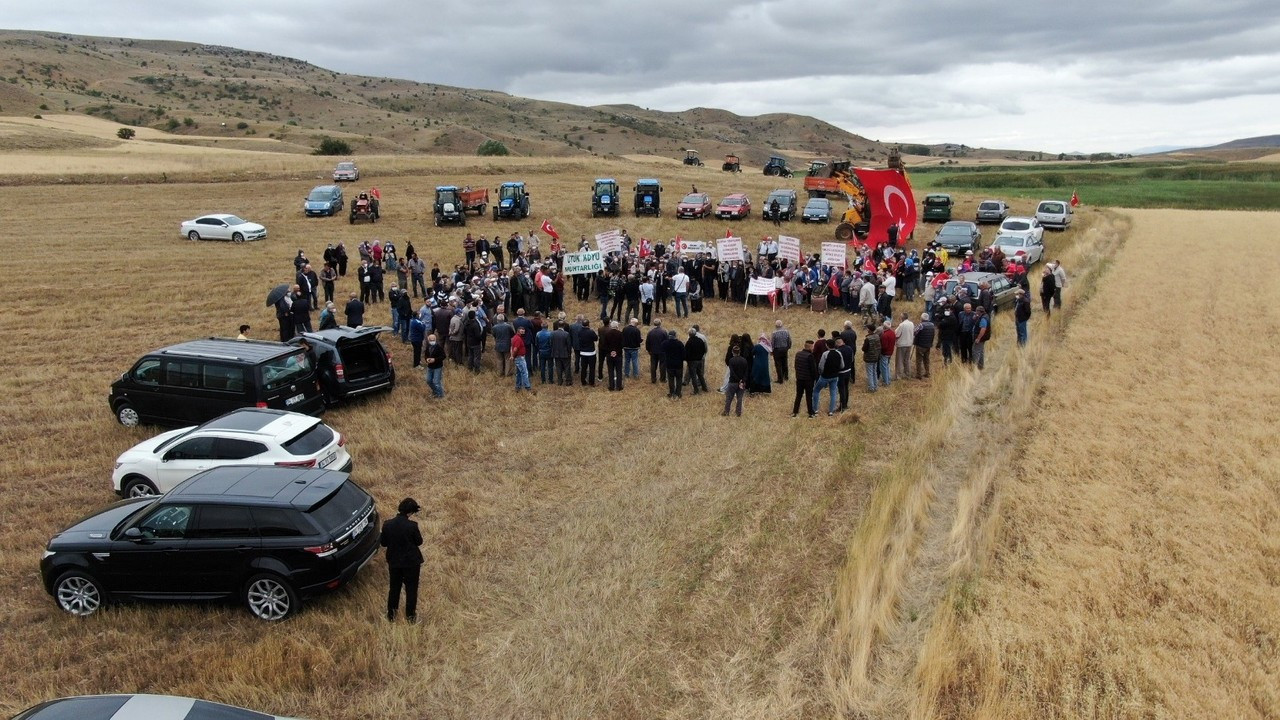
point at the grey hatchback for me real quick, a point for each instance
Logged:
(816, 210)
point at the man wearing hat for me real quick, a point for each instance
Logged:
(402, 539)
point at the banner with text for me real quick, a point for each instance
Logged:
(833, 253)
(760, 286)
(609, 242)
(789, 248)
(691, 247)
(583, 263)
(729, 249)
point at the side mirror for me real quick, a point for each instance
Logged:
(133, 534)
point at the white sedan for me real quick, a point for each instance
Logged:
(249, 436)
(1030, 249)
(1023, 227)
(221, 226)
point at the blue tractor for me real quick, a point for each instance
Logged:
(513, 201)
(648, 197)
(604, 197)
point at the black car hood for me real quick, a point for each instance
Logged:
(97, 526)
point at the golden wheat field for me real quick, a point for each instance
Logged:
(595, 554)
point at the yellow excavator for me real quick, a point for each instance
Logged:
(836, 178)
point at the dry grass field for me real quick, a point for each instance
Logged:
(595, 554)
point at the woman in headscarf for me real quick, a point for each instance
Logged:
(760, 354)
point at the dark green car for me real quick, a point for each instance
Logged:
(937, 208)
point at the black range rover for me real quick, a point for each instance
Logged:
(269, 536)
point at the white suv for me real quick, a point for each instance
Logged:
(1055, 214)
(249, 436)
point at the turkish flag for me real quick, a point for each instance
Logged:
(645, 249)
(891, 203)
(1075, 199)
(548, 229)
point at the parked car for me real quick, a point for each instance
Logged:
(249, 436)
(959, 236)
(734, 207)
(138, 707)
(346, 172)
(221, 226)
(349, 362)
(937, 207)
(1004, 289)
(992, 211)
(323, 200)
(786, 200)
(1055, 214)
(816, 210)
(694, 205)
(1020, 227)
(270, 536)
(1030, 249)
(195, 381)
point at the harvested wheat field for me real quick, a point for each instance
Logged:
(595, 554)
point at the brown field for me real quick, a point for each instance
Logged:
(621, 555)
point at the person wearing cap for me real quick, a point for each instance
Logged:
(1021, 314)
(981, 334)
(403, 540)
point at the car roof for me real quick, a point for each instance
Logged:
(326, 187)
(735, 195)
(608, 180)
(1015, 218)
(937, 195)
(347, 162)
(300, 488)
(278, 424)
(958, 223)
(220, 216)
(216, 348)
(975, 276)
(697, 195)
(138, 707)
(446, 187)
(513, 184)
(822, 201)
(647, 181)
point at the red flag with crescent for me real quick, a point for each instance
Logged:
(891, 202)
(549, 229)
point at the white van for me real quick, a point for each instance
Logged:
(1055, 214)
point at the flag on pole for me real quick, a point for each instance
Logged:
(1075, 199)
(891, 204)
(549, 229)
(645, 249)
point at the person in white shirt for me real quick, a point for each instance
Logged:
(680, 289)
(1060, 281)
(906, 332)
(886, 298)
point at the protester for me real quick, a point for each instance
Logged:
(519, 360)
(587, 351)
(905, 335)
(781, 341)
(562, 353)
(760, 354)
(1059, 283)
(1021, 314)
(923, 342)
(1048, 289)
(612, 350)
(982, 333)
(653, 345)
(829, 365)
(695, 357)
(737, 386)
(888, 344)
(806, 374)
(871, 355)
(631, 342)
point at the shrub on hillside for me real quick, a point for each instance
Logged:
(125, 133)
(332, 146)
(492, 147)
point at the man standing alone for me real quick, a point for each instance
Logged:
(781, 348)
(806, 374)
(402, 539)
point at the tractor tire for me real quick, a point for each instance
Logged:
(844, 231)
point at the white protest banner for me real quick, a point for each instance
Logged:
(760, 286)
(789, 248)
(833, 253)
(583, 263)
(609, 241)
(729, 249)
(692, 247)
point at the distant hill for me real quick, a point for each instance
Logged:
(1262, 141)
(190, 89)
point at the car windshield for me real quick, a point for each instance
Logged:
(954, 230)
(508, 192)
(319, 195)
(233, 220)
(282, 371)
(989, 206)
(1017, 241)
(780, 197)
(935, 201)
(732, 201)
(1051, 208)
(346, 166)
(816, 205)
(448, 196)
(692, 199)
(161, 447)
(1016, 225)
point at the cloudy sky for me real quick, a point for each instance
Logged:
(1060, 77)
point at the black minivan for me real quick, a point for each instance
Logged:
(349, 362)
(269, 536)
(191, 382)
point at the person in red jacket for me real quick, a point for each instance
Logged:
(888, 341)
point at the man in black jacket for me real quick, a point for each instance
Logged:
(611, 350)
(354, 311)
(653, 345)
(673, 360)
(806, 375)
(587, 350)
(923, 341)
(402, 539)
(1021, 314)
(738, 370)
(695, 357)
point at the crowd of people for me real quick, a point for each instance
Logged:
(505, 301)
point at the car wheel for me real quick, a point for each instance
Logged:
(78, 593)
(127, 416)
(193, 236)
(237, 238)
(138, 486)
(270, 598)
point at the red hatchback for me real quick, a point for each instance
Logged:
(694, 205)
(734, 207)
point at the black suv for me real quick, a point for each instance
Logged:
(349, 362)
(786, 204)
(191, 382)
(269, 536)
